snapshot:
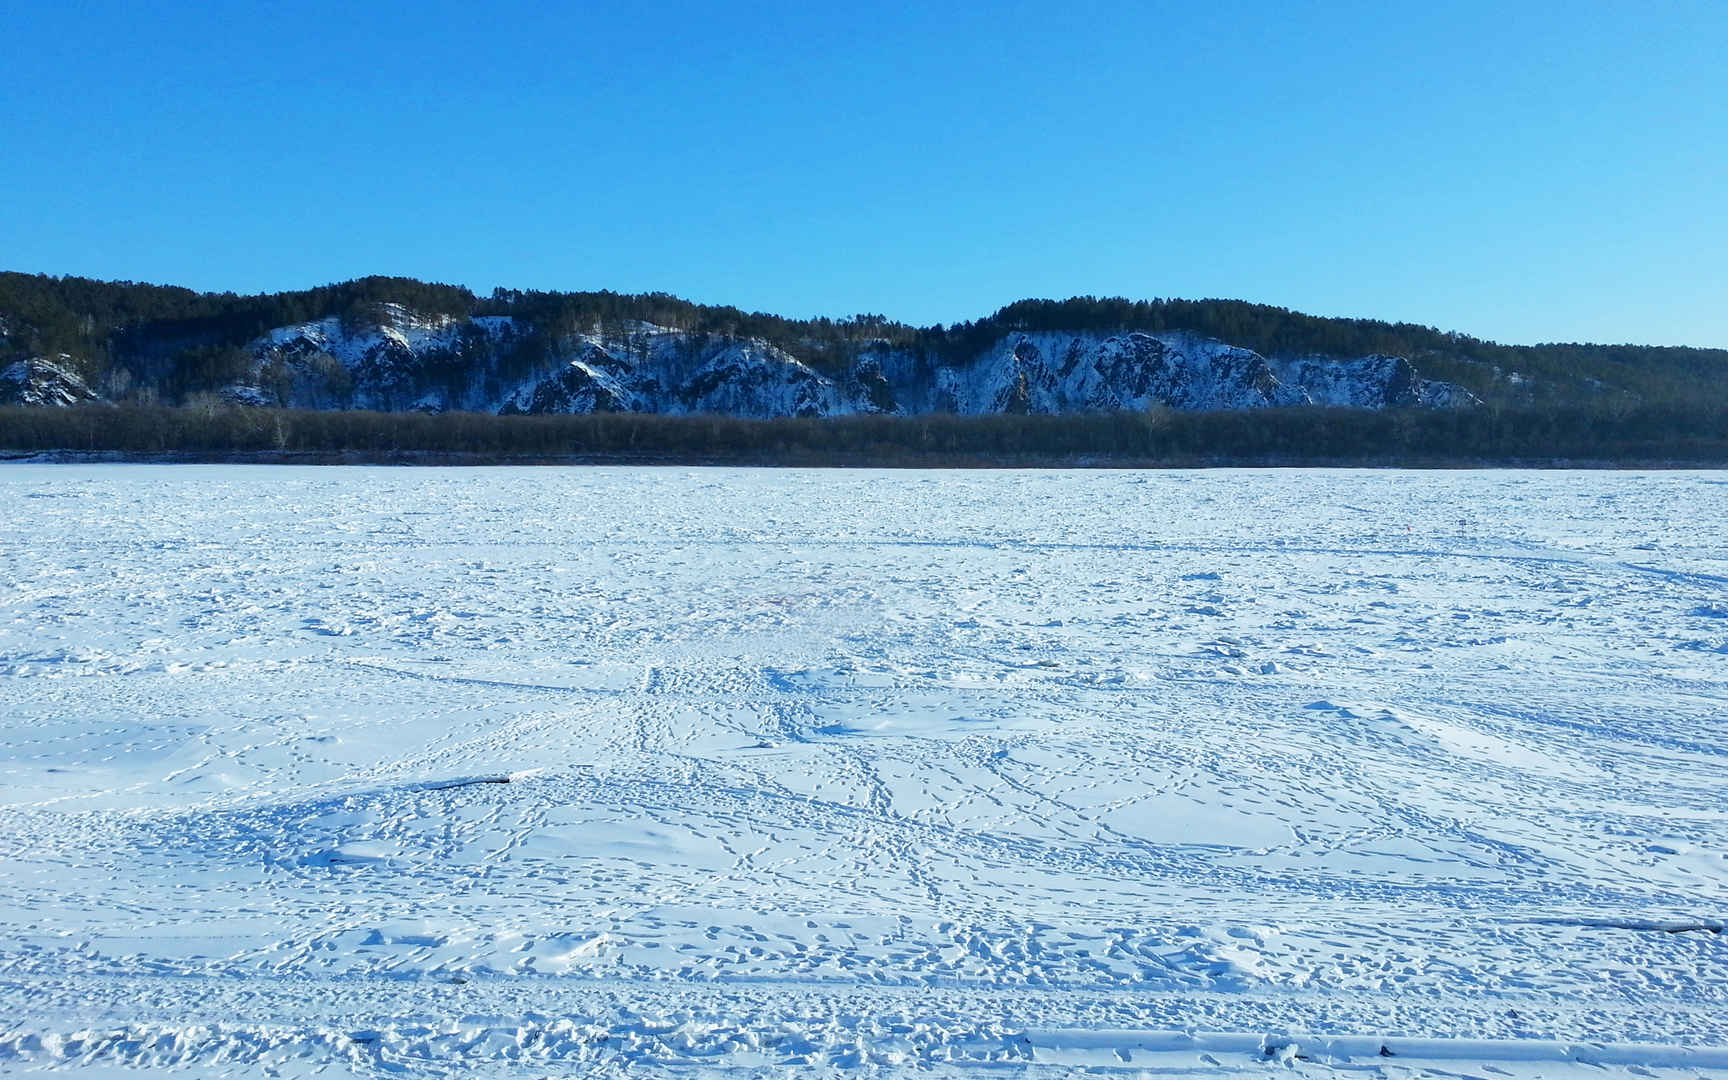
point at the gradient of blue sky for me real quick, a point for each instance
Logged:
(1526, 172)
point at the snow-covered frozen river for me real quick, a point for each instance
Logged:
(530, 771)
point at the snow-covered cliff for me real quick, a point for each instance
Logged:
(1374, 382)
(41, 382)
(1095, 372)
(397, 359)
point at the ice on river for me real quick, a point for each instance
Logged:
(518, 772)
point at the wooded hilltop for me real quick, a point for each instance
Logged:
(164, 360)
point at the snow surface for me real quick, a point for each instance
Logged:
(530, 772)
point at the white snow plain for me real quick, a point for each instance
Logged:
(526, 772)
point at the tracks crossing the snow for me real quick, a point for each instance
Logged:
(963, 758)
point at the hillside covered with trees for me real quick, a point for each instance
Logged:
(125, 337)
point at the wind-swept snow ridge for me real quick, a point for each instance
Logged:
(716, 772)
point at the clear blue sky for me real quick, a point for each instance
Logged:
(1531, 171)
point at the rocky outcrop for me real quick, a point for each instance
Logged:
(588, 384)
(1373, 382)
(37, 381)
(1049, 373)
(395, 359)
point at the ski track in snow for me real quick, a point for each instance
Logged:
(546, 771)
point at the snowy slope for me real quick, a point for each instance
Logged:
(565, 772)
(400, 360)
(1056, 373)
(655, 369)
(39, 382)
(649, 369)
(1374, 382)
(383, 362)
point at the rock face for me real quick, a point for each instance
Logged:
(40, 382)
(1059, 373)
(1374, 382)
(590, 383)
(497, 365)
(655, 370)
(396, 359)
